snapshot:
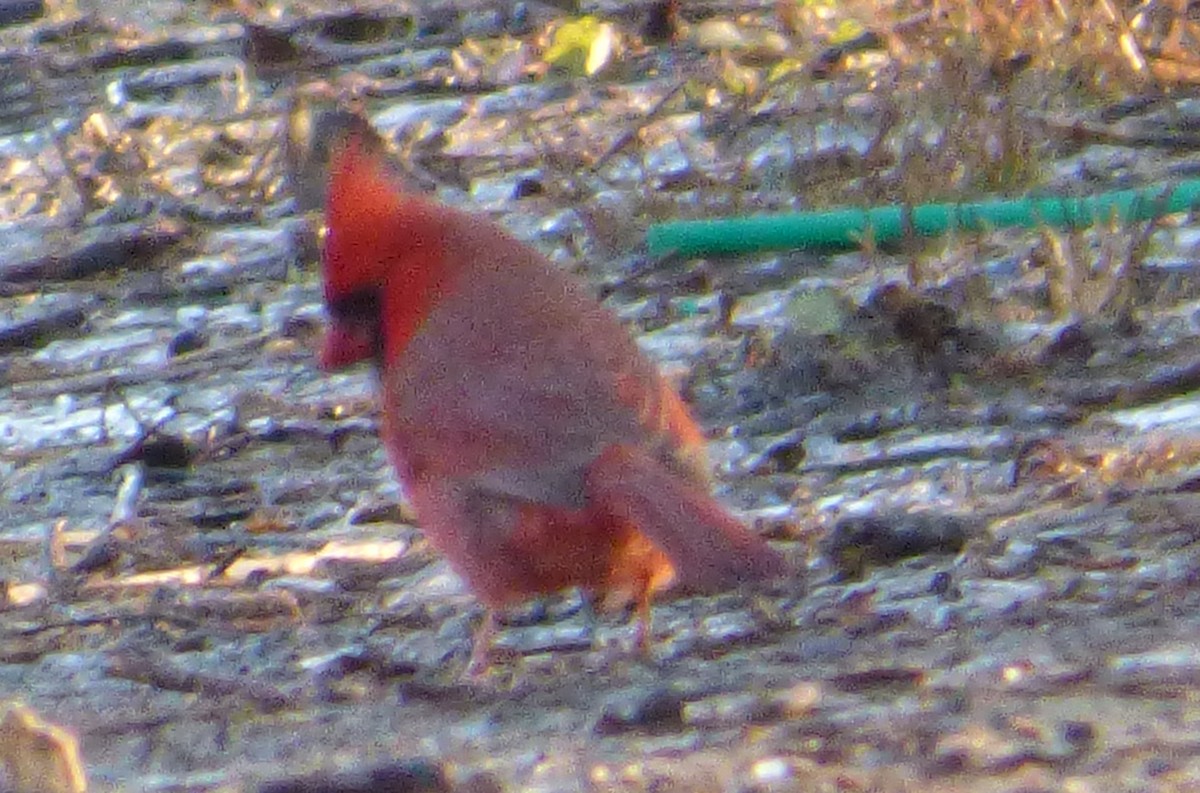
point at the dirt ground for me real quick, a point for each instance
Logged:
(985, 473)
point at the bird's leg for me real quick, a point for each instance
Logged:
(591, 619)
(643, 634)
(481, 646)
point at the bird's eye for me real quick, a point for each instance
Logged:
(359, 307)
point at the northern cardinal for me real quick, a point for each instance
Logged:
(538, 446)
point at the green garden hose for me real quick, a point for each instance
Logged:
(848, 228)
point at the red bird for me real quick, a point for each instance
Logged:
(539, 447)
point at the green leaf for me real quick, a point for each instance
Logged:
(820, 312)
(582, 47)
(847, 30)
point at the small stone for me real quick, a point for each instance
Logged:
(1080, 735)
(859, 543)
(656, 709)
(770, 770)
(479, 783)
(15, 12)
(186, 341)
(528, 187)
(38, 757)
(411, 776)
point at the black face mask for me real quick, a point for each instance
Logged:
(362, 308)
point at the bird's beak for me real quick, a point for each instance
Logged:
(345, 344)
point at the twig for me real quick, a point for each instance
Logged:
(182, 368)
(53, 553)
(629, 135)
(107, 618)
(162, 674)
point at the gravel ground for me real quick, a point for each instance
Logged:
(209, 580)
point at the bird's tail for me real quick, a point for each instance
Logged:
(709, 549)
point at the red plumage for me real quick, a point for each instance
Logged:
(539, 446)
